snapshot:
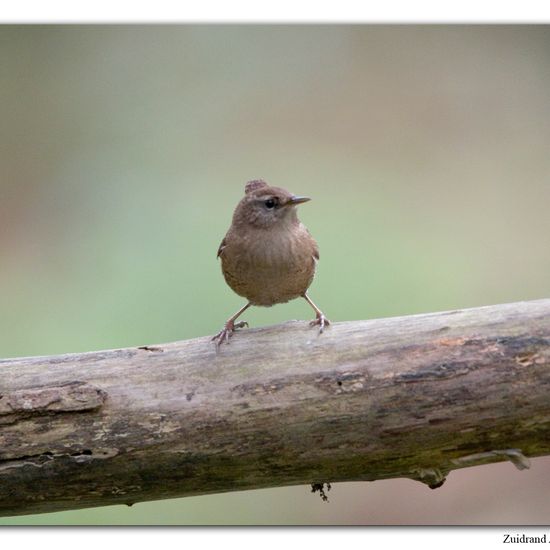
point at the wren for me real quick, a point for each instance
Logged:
(268, 256)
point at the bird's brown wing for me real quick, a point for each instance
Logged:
(221, 247)
(314, 243)
(316, 251)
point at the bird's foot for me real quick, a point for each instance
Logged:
(320, 320)
(227, 331)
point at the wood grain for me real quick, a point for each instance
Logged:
(414, 397)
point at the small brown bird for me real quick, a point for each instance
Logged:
(268, 256)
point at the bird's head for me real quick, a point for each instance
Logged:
(264, 206)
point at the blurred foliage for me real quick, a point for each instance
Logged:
(124, 149)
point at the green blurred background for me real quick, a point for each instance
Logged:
(124, 149)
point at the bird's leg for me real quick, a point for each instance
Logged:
(230, 327)
(320, 318)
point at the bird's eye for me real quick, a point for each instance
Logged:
(269, 203)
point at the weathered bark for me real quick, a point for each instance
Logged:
(410, 397)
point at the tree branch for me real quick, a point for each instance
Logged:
(409, 397)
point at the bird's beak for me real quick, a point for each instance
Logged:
(294, 200)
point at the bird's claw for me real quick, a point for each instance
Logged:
(320, 320)
(227, 332)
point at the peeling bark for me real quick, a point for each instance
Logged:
(410, 397)
(45, 400)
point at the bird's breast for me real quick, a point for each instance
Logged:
(269, 268)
